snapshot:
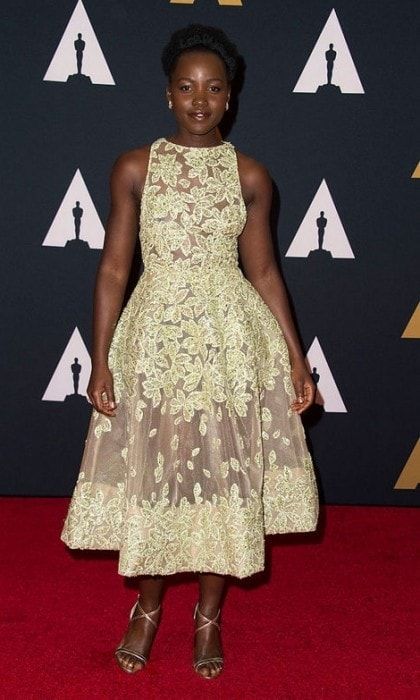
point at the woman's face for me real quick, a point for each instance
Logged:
(199, 90)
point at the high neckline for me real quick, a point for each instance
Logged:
(196, 148)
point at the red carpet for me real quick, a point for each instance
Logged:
(335, 616)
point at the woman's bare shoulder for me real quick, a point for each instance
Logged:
(252, 173)
(133, 161)
(131, 166)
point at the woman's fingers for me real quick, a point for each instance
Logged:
(107, 404)
(109, 391)
(101, 391)
(305, 394)
(300, 393)
(104, 401)
(299, 405)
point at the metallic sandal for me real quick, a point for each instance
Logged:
(203, 662)
(125, 650)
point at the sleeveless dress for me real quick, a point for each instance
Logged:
(204, 455)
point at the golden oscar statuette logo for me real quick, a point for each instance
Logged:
(412, 329)
(410, 475)
(416, 172)
(232, 3)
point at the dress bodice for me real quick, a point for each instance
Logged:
(192, 209)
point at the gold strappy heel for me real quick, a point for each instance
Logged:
(126, 650)
(203, 662)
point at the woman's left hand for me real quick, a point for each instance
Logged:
(304, 387)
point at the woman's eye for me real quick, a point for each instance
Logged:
(215, 88)
(184, 88)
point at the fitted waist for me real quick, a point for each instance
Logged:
(184, 266)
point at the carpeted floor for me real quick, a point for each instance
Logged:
(335, 615)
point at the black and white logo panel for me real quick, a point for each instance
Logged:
(76, 224)
(328, 394)
(330, 68)
(71, 376)
(321, 234)
(79, 59)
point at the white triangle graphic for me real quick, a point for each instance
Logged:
(327, 394)
(94, 68)
(62, 383)
(344, 76)
(321, 232)
(76, 215)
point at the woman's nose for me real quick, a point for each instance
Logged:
(199, 98)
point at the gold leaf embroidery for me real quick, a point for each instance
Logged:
(234, 463)
(158, 474)
(103, 427)
(203, 424)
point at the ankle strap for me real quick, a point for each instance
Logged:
(209, 622)
(143, 613)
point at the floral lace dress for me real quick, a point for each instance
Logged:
(204, 454)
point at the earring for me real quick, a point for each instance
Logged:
(170, 104)
(227, 106)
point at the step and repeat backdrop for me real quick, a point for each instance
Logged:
(330, 104)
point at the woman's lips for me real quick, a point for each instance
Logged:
(200, 116)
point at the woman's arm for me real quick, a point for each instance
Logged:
(261, 269)
(126, 182)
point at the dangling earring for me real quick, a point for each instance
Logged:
(227, 106)
(170, 104)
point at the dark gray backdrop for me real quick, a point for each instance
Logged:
(365, 146)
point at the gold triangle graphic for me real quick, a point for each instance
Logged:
(236, 3)
(416, 172)
(412, 329)
(410, 475)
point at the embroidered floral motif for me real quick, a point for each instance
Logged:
(204, 455)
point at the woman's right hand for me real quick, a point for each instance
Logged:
(101, 390)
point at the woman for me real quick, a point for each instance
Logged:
(195, 447)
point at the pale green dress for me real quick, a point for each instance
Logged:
(204, 454)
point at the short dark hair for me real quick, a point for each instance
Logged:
(199, 37)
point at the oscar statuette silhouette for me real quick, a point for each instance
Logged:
(79, 77)
(329, 87)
